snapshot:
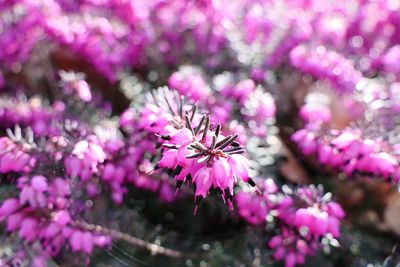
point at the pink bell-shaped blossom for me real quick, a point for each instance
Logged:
(51, 230)
(127, 118)
(240, 166)
(76, 241)
(14, 221)
(169, 159)
(182, 137)
(221, 173)
(8, 207)
(336, 210)
(203, 180)
(28, 229)
(87, 242)
(182, 159)
(108, 172)
(39, 183)
(62, 217)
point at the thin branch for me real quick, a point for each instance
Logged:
(153, 248)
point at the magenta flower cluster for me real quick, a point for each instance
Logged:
(350, 150)
(303, 216)
(328, 65)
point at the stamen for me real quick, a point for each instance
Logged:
(237, 152)
(189, 124)
(232, 149)
(222, 141)
(169, 105)
(206, 127)
(199, 146)
(181, 107)
(217, 130)
(235, 144)
(227, 143)
(194, 109)
(197, 130)
(214, 141)
(199, 154)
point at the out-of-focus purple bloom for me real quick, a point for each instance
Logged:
(391, 60)
(189, 82)
(85, 158)
(326, 65)
(14, 158)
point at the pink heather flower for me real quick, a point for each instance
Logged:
(181, 137)
(155, 120)
(41, 215)
(336, 210)
(385, 164)
(76, 241)
(74, 83)
(327, 155)
(127, 118)
(299, 31)
(39, 183)
(253, 208)
(240, 167)
(210, 158)
(62, 218)
(306, 140)
(14, 222)
(259, 107)
(87, 242)
(309, 209)
(204, 181)
(337, 69)
(391, 60)
(85, 158)
(222, 173)
(222, 111)
(315, 220)
(344, 140)
(8, 207)
(181, 157)
(60, 187)
(27, 229)
(84, 241)
(83, 91)
(291, 247)
(51, 230)
(101, 241)
(349, 152)
(315, 113)
(258, 25)
(108, 172)
(189, 82)
(13, 158)
(169, 159)
(32, 112)
(239, 92)
(33, 191)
